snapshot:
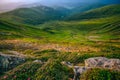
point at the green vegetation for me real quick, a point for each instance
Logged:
(53, 70)
(9, 30)
(57, 41)
(67, 31)
(106, 11)
(34, 15)
(83, 8)
(100, 74)
(24, 71)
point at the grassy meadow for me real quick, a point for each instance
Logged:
(57, 41)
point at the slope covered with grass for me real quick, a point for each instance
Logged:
(65, 31)
(71, 41)
(34, 15)
(10, 30)
(103, 12)
(77, 31)
(100, 74)
(85, 7)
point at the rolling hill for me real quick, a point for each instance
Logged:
(105, 11)
(34, 15)
(85, 7)
(39, 14)
(106, 27)
(10, 30)
(95, 33)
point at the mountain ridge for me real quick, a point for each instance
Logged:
(105, 11)
(34, 15)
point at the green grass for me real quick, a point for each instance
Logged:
(57, 41)
(33, 16)
(53, 70)
(24, 71)
(105, 11)
(77, 31)
(63, 31)
(100, 74)
(9, 31)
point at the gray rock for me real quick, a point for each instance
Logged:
(8, 62)
(102, 62)
(78, 70)
(38, 61)
(70, 65)
(112, 64)
(96, 62)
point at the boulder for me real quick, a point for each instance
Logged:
(95, 62)
(78, 70)
(102, 62)
(112, 64)
(8, 62)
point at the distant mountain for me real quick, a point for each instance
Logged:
(34, 15)
(85, 7)
(105, 11)
(12, 4)
(37, 13)
(103, 22)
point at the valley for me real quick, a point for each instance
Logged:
(46, 36)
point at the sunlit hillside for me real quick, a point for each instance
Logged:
(46, 43)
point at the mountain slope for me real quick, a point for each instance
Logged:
(40, 14)
(106, 11)
(10, 30)
(80, 31)
(85, 7)
(34, 15)
(67, 31)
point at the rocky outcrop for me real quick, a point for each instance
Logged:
(96, 62)
(78, 70)
(102, 62)
(8, 62)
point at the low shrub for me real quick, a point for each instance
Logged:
(100, 74)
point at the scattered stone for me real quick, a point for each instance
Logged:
(67, 64)
(38, 61)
